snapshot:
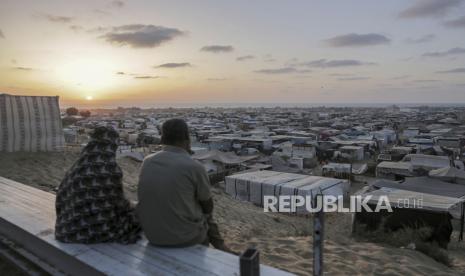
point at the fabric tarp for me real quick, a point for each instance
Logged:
(449, 174)
(424, 185)
(229, 158)
(29, 123)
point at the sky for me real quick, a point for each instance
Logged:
(104, 53)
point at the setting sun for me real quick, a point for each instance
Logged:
(89, 98)
(87, 75)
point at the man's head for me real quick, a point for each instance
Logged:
(175, 132)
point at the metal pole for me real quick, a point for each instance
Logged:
(318, 237)
(461, 222)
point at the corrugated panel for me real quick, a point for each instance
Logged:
(29, 123)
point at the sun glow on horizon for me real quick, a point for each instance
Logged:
(87, 75)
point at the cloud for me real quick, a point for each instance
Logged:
(421, 39)
(425, 81)
(429, 8)
(217, 48)
(140, 36)
(117, 4)
(1, 34)
(101, 12)
(354, 78)
(174, 65)
(268, 58)
(23, 68)
(455, 23)
(401, 77)
(450, 52)
(76, 28)
(55, 18)
(146, 77)
(243, 58)
(216, 79)
(324, 63)
(283, 70)
(452, 71)
(357, 40)
(341, 74)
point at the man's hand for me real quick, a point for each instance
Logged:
(207, 206)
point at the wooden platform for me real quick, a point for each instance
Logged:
(27, 217)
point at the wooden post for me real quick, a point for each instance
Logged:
(318, 237)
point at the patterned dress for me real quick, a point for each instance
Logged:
(90, 204)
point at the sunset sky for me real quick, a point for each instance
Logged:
(152, 53)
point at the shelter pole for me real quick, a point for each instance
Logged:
(461, 222)
(318, 237)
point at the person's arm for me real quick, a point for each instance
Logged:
(203, 194)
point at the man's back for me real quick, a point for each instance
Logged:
(171, 184)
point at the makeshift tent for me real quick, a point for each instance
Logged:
(30, 123)
(229, 158)
(424, 185)
(412, 210)
(253, 186)
(449, 174)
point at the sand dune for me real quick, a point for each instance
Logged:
(284, 241)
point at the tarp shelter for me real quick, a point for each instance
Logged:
(449, 174)
(424, 185)
(229, 158)
(253, 186)
(30, 123)
(435, 196)
(430, 202)
(411, 210)
(428, 162)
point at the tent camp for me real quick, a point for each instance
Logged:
(30, 123)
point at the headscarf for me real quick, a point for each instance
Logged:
(90, 202)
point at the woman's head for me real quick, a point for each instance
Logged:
(103, 140)
(103, 133)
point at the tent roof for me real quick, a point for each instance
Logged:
(429, 202)
(447, 172)
(223, 157)
(424, 185)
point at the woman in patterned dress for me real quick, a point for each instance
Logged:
(90, 203)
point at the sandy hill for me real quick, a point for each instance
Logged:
(284, 241)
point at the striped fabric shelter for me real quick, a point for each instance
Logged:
(30, 123)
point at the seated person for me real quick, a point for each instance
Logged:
(90, 204)
(175, 204)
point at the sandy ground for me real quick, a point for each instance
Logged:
(284, 241)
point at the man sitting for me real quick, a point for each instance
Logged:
(175, 204)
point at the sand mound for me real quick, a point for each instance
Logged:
(284, 241)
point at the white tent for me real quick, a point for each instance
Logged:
(253, 186)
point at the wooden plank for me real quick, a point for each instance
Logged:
(27, 189)
(199, 264)
(144, 263)
(15, 197)
(106, 265)
(34, 211)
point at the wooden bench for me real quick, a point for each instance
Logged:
(27, 218)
